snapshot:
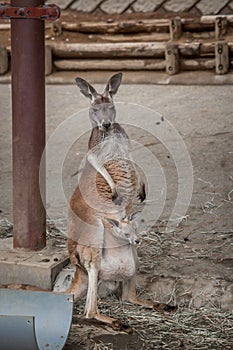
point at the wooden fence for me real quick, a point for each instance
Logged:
(169, 45)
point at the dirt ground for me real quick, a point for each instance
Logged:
(190, 265)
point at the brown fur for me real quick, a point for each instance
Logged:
(106, 190)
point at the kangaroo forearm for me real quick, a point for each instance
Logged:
(93, 160)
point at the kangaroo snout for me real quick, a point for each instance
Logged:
(106, 125)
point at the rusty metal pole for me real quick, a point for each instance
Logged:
(28, 109)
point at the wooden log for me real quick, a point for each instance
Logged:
(110, 64)
(3, 60)
(202, 23)
(131, 49)
(197, 64)
(135, 26)
(187, 50)
(195, 25)
(5, 26)
(108, 50)
(48, 60)
(122, 26)
(138, 37)
(135, 64)
(196, 49)
(172, 59)
(222, 57)
(211, 19)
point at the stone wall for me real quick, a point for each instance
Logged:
(194, 7)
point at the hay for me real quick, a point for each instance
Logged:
(188, 328)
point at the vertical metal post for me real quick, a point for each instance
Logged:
(28, 108)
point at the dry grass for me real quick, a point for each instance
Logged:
(188, 328)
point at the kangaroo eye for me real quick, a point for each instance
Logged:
(127, 235)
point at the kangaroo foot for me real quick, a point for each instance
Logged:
(113, 323)
(116, 198)
(160, 307)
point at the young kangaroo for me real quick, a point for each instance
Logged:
(101, 234)
(115, 261)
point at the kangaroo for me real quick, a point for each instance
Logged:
(102, 114)
(101, 223)
(115, 261)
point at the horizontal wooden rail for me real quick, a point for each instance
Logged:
(106, 50)
(202, 23)
(134, 64)
(129, 50)
(110, 64)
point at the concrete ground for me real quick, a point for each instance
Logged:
(193, 263)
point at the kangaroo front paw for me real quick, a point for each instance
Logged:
(142, 193)
(116, 198)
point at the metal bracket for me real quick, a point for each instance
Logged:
(46, 12)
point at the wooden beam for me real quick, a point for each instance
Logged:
(133, 37)
(195, 64)
(172, 59)
(121, 26)
(175, 28)
(48, 60)
(221, 57)
(110, 64)
(3, 60)
(220, 27)
(108, 50)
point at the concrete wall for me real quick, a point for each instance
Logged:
(194, 7)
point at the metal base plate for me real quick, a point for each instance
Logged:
(34, 320)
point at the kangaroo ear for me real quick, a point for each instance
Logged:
(113, 84)
(86, 89)
(112, 222)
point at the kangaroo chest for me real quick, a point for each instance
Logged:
(117, 263)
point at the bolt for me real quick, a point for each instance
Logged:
(220, 67)
(21, 12)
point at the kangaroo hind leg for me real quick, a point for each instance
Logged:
(129, 294)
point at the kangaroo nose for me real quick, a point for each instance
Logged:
(137, 241)
(106, 125)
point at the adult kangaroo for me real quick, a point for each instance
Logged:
(101, 221)
(107, 136)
